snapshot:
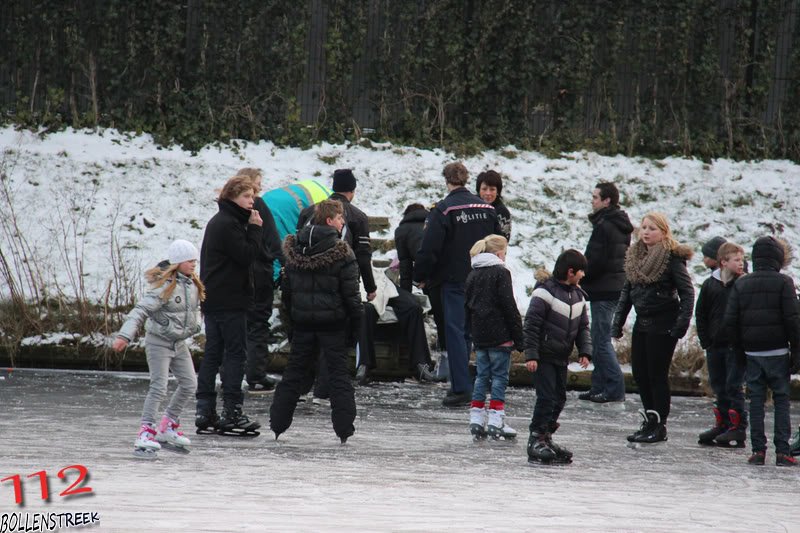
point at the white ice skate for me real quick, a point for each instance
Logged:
(145, 445)
(498, 427)
(477, 422)
(170, 438)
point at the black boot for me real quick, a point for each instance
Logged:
(206, 420)
(539, 450)
(647, 425)
(235, 423)
(563, 455)
(736, 434)
(721, 425)
(657, 431)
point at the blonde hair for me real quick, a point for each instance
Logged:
(158, 277)
(490, 244)
(728, 249)
(250, 172)
(662, 223)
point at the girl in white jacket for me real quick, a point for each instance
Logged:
(171, 309)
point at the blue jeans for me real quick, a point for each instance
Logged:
(607, 376)
(726, 378)
(457, 336)
(493, 365)
(773, 373)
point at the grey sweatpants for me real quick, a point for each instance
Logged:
(160, 360)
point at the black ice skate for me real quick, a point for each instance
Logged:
(657, 431)
(648, 422)
(206, 421)
(234, 423)
(736, 433)
(706, 438)
(539, 451)
(563, 455)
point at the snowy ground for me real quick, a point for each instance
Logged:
(411, 466)
(74, 191)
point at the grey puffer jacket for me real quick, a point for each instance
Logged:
(166, 322)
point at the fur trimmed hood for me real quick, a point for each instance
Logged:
(771, 253)
(542, 274)
(315, 248)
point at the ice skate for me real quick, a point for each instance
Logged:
(539, 451)
(206, 421)
(657, 431)
(783, 459)
(706, 438)
(234, 423)
(477, 423)
(794, 443)
(736, 434)
(145, 445)
(497, 426)
(646, 426)
(170, 438)
(563, 455)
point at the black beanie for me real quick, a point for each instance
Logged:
(711, 248)
(343, 180)
(768, 252)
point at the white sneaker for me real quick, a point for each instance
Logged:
(146, 439)
(477, 422)
(497, 426)
(168, 432)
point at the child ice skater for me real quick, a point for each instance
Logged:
(171, 311)
(493, 318)
(556, 321)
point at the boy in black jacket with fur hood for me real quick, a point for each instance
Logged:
(762, 324)
(321, 294)
(556, 321)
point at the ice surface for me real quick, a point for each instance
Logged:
(411, 466)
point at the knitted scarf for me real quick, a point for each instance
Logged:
(645, 266)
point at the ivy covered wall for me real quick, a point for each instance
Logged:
(653, 77)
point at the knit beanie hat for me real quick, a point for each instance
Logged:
(768, 252)
(180, 251)
(343, 180)
(711, 248)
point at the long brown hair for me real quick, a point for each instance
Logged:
(158, 277)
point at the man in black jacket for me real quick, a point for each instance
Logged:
(259, 314)
(452, 227)
(605, 276)
(321, 294)
(231, 244)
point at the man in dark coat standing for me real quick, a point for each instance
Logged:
(452, 227)
(605, 276)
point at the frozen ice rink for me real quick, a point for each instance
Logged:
(411, 466)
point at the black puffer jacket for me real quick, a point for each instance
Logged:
(712, 301)
(407, 238)
(664, 305)
(230, 245)
(452, 227)
(492, 316)
(320, 286)
(355, 232)
(762, 313)
(556, 321)
(605, 253)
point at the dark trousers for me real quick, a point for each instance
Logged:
(226, 338)
(409, 316)
(458, 339)
(305, 345)
(258, 332)
(769, 373)
(437, 308)
(550, 381)
(726, 378)
(651, 356)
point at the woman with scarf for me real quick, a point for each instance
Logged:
(659, 287)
